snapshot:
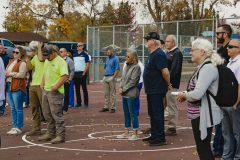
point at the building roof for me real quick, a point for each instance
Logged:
(22, 36)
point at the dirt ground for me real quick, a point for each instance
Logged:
(91, 135)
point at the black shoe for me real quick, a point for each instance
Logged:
(157, 143)
(77, 106)
(147, 139)
(104, 110)
(112, 111)
(171, 132)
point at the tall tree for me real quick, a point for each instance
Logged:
(21, 19)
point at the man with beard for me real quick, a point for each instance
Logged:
(223, 34)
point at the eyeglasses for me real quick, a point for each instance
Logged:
(79, 45)
(16, 52)
(217, 33)
(231, 46)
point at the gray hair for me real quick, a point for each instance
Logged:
(173, 37)
(206, 45)
(134, 53)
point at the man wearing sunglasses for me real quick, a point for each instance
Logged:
(231, 119)
(223, 34)
(82, 65)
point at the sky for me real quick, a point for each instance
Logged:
(223, 10)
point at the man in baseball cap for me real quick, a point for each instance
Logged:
(152, 35)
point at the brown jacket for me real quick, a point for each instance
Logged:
(18, 83)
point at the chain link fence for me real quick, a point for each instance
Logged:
(122, 37)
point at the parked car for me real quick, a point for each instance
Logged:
(186, 51)
(8, 46)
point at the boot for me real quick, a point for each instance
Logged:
(57, 140)
(33, 132)
(46, 137)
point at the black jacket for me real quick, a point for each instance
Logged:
(175, 59)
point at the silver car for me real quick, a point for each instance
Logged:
(8, 46)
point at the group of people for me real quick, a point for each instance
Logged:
(53, 72)
(161, 77)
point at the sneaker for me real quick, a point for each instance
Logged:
(112, 111)
(12, 131)
(46, 137)
(122, 136)
(104, 110)
(171, 132)
(19, 131)
(33, 133)
(57, 140)
(133, 137)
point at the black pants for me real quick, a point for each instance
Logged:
(81, 81)
(203, 146)
(66, 96)
(156, 113)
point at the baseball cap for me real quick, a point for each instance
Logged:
(152, 35)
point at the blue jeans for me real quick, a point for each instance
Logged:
(16, 102)
(71, 94)
(130, 114)
(231, 133)
(139, 86)
(2, 107)
(156, 113)
(218, 140)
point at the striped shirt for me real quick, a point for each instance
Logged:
(193, 108)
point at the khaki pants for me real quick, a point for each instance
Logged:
(52, 111)
(109, 92)
(172, 109)
(35, 98)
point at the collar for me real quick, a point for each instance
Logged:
(234, 59)
(172, 49)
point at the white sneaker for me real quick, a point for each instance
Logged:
(19, 131)
(122, 136)
(133, 137)
(13, 131)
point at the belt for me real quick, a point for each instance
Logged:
(108, 75)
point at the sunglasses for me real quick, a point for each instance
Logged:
(16, 52)
(231, 46)
(220, 33)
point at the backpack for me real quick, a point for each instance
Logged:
(227, 92)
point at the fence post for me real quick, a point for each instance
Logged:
(113, 35)
(143, 44)
(177, 31)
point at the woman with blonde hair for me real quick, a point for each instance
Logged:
(202, 109)
(129, 91)
(16, 86)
